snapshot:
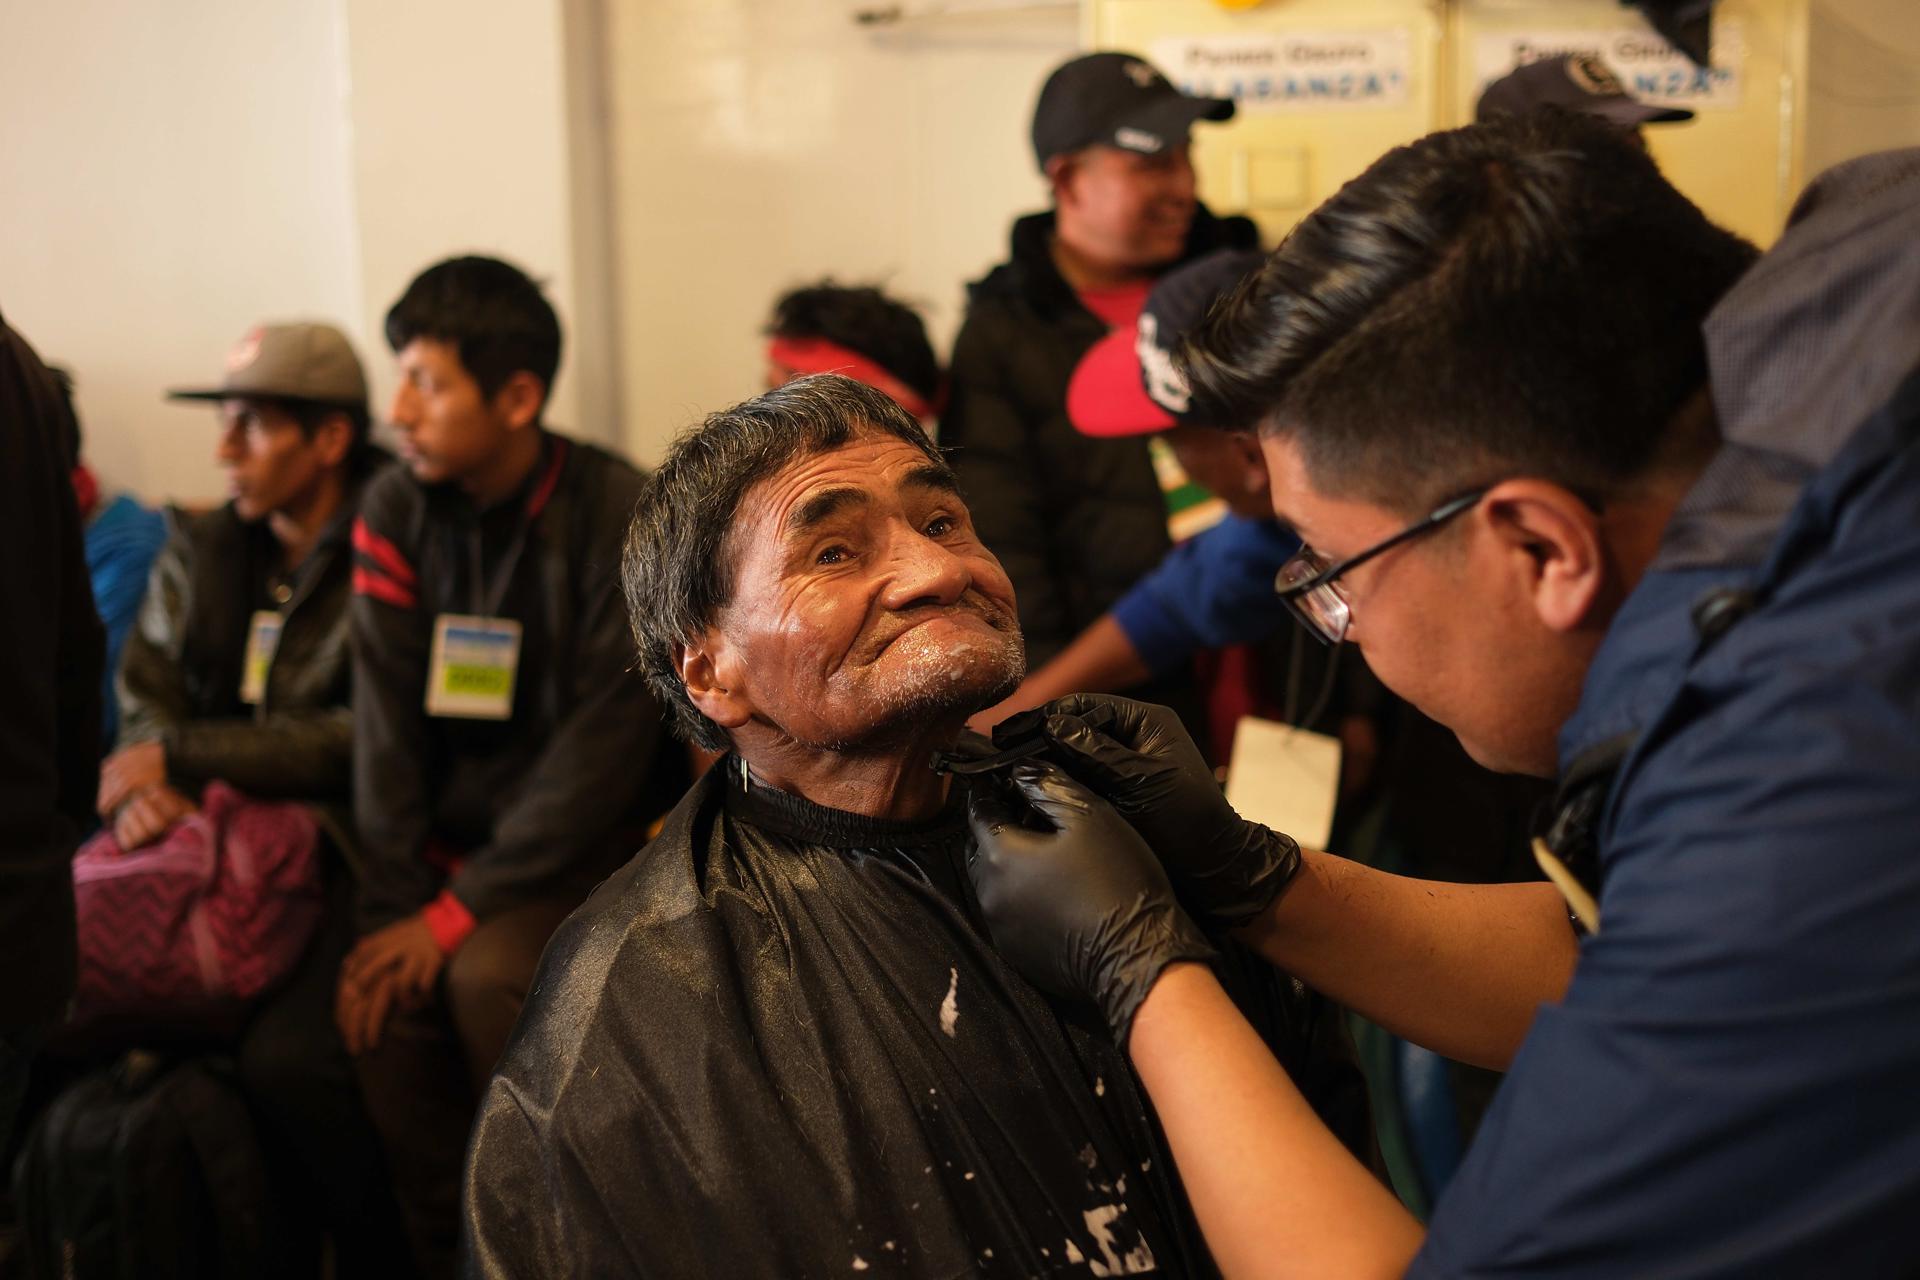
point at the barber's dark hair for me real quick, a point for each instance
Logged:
(863, 319)
(1523, 296)
(308, 415)
(678, 568)
(490, 311)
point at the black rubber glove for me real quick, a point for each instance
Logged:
(1139, 757)
(1072, 896)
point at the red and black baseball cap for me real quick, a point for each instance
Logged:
(1576, 82)
(1119, 100)
(1126, 384)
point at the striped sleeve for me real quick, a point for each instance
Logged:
(380, 571)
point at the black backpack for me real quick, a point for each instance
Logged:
(150, 1168)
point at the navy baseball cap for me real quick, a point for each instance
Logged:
(1573, 82)
(1127, 384)
(1118, 100)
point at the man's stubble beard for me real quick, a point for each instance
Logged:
(939, 688)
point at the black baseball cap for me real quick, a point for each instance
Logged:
(1127, 384)
(1573, 82)
(1119, 100)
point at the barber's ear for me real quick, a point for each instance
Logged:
(1555, 548)
(520, 398)
(710, 669)
(1247, 446)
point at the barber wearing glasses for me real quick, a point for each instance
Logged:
(1620, 505)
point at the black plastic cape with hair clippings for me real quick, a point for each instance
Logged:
(778, 1043)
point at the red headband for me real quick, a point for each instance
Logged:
(86, 490)
(817, 355)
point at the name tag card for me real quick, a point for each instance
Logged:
(1285, 777)
(471, 671)
(263, 638)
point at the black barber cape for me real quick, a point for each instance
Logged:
(777, 1043)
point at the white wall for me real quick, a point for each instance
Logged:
(759, 144)
(1863, 86)
(176, 173)
(173, 174)
(460, 144)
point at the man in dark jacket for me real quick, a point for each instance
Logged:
(49, 709)
(777, 1044)
(238, 670)
(506, 756)
(1077, 521)
(238, 665)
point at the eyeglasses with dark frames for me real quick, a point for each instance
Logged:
(1307, 583)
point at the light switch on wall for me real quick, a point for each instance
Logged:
(1272, 177)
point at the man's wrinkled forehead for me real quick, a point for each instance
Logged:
(871, 463)
(837, 495)
(816, 486)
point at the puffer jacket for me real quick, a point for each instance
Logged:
(1076, 521)
(179, 679)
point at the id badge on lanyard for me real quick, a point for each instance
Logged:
(476, 656)
(1285, 777)
(263, 640)
(471, 672)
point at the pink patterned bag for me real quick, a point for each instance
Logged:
(186, 933)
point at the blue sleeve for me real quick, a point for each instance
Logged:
(122, 542)
(1214, 589)
(1728, 1087)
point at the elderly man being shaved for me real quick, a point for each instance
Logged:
(778, 1043)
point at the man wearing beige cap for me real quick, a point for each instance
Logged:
(292, 442)
(238, 670)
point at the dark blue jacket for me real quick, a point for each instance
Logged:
(1732, 1085)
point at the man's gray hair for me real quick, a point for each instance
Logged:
(678, 568)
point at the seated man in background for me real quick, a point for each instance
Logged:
(238, 671)
(506, 756)
(294, 444)
(777, 1042)
(859, 332)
